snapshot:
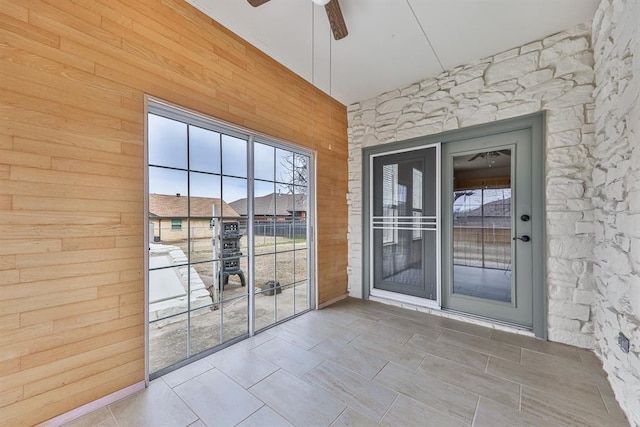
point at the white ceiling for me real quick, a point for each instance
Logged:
(391, 43)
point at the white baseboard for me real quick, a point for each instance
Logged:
(83, 410)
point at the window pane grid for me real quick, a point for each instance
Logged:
(192, 190)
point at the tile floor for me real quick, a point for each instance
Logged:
(362, 363)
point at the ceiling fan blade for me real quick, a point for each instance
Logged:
(256, 3)
(505, 152)
(475, 157)
(336, 20)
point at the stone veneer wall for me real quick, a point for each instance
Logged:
(553, 75)
(616, 199)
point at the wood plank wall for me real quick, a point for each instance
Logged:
(73, 75)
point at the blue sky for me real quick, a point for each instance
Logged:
(211, 156)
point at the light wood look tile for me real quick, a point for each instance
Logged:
(100, 418)
(568, 387)
(481, 345)
(568, 411)
(241, 365)
(265, 416)
(427, 330)
(207, 393)
(287, 356)
(451, 352)
(297, 401)
(409, 412)
(352, 418)
(185, 373)
(562, 367)
(431, 391)
(452, 380)
(156, 405)
(535, 344)
(492, 387)
(493, 414)
(358, 392)
(379, 347)
(361, 362)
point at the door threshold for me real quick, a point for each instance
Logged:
(460, 316)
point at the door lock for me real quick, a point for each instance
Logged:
(524, 238)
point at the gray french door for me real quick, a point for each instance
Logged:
(487, 228)
(404, 225)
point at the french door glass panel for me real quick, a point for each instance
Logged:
(482, 225)
(487, 202)
(199, 242)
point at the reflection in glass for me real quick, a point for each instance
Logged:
(265, 280)
(167, 142)
(403, 246)
(204, 150)
(206, 328)
(234, 156)
(265, 311)
(235, 318)
(285, 302)
(301, 301)
(167, 342)
(285, 264)
(284, 166)
(300, 260)
(482, 225)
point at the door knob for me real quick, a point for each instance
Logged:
(524, 238)
(525, 217)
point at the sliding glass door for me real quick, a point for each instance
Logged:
(228, 227)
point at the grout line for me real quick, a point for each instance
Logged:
(113, 415)
(251, 414)
(380, 370)
(390, 406)
(339, 415)
(520, 399)
(475, 412)
(486, 368)
(606, 407)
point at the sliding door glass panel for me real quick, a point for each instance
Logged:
(263, 167)
(482, 208)
(168, 341)
(204, 150)
(206, 324)
(167, 142)
(265, 280)
(234, 156)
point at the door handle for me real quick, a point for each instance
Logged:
(524, 238)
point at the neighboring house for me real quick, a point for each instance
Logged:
(281, 206)
(169, 216)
